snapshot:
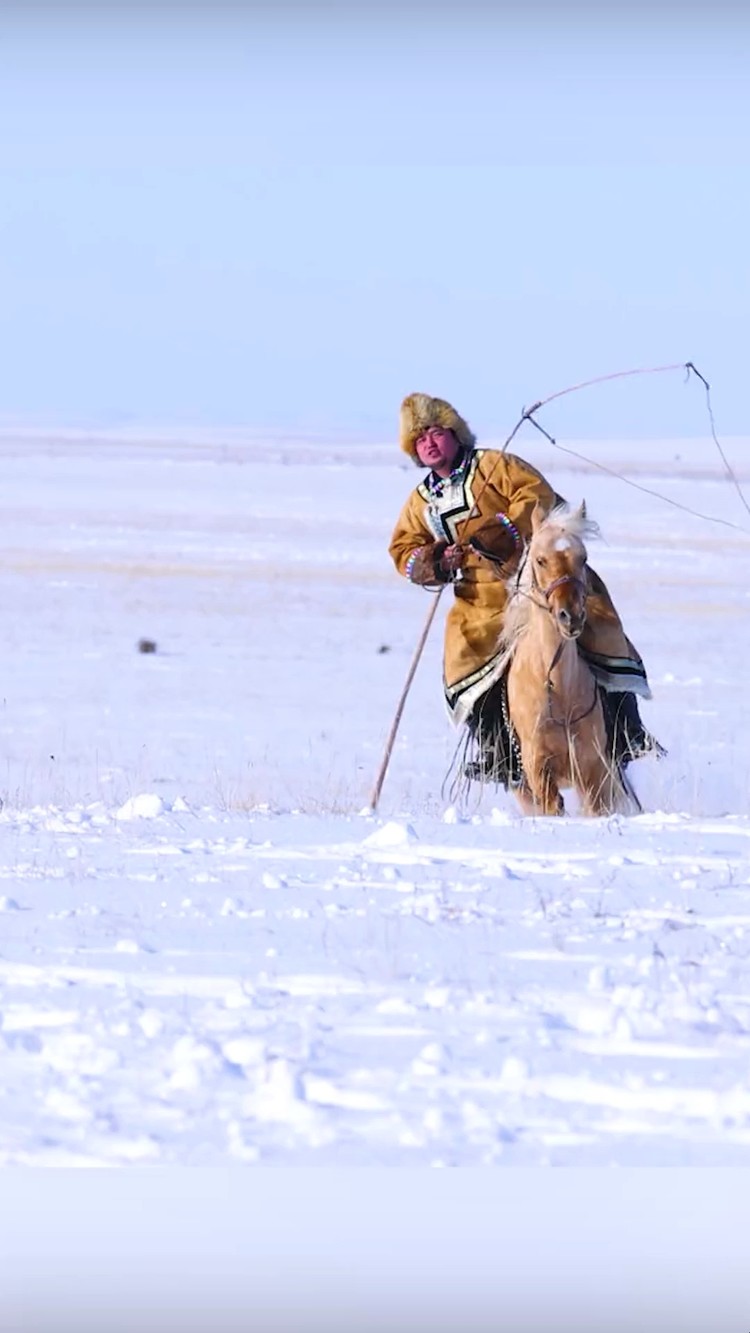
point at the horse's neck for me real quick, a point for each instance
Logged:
(544, 643)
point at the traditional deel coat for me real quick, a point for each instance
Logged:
(483, 484)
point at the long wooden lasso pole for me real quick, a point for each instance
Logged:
(380, 779)
(526, 415)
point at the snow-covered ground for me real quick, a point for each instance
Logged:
(209, 954)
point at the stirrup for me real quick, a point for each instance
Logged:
(486, 770)
(641, 747)
(652, 746)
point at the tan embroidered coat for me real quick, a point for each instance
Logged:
(462, 508)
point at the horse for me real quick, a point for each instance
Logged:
(555, 713)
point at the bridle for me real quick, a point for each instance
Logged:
(555, 584)
(547, 592)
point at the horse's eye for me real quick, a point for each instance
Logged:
(541, 561)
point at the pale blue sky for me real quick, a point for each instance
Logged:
(291, 217)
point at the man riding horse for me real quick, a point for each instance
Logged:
(467, 523)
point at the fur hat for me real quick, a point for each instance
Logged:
(419, 412)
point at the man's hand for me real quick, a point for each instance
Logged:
(452, 558)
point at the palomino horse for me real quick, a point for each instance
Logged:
(554, 709)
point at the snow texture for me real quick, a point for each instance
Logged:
(212, 953)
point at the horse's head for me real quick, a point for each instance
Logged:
(557, 559)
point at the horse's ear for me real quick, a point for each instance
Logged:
(537, 516)
(580, 512)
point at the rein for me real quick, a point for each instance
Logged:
(573, 721)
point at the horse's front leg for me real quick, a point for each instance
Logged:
(596, 779)
(599, 798)
(539, 794)
(595, 783)
(610, 796)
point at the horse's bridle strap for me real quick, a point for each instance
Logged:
(559, 583)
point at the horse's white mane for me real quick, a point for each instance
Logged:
(563, 522)
(571, 522)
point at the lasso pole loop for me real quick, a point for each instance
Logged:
(690, 368)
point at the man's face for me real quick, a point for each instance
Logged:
(436, 447)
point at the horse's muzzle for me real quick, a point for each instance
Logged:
(570, 626)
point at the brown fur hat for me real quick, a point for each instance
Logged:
(419, 411)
